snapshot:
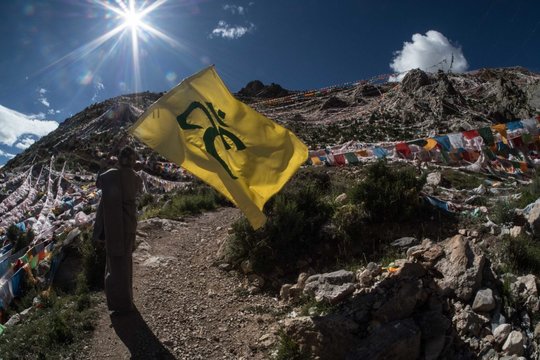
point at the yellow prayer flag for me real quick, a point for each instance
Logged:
(200, 126)
(430, 144)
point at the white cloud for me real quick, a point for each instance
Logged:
(6, 154)
(227, 31)
(13, 125)
(25, 143)
(98, 87)
(41, 97)
(430, 52)
(53, 111)
(235, 9)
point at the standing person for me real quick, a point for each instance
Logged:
(116, 224)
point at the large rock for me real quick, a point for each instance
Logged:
(534, 219)
(468, 323)
(334, 102)
(399, 340)
(525, 290)
(484, 301)
(329, 337)
(415, 79)
(331, 287)
(434, 326)
(461, 269)
(401, 302)
(514, 343)
(366, 90)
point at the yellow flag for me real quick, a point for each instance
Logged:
(200, 126)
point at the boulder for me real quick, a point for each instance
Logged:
(399, 340)
(328, 337)
(334, 102)
(401, 302)
(468, 323)
(414, 80)
(514, 343)
(331, 287)
(484, 301)
(461, 268)
(366, 277)
(366, 90)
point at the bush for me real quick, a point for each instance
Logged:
(294, 229)
(93, 265)
(186, 202)
(522, 254)
(503, 212)
(288, 349)
(53, 332)
(389, 194)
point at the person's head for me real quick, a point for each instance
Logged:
(127, 157)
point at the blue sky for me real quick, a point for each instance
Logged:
(49, 69)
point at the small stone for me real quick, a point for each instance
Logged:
(15, 319)
(516, 231)
(225, 266)
(246, 266)
(219, 228)
(341, 199)
(256, 280)
(284, 293)
(537, 331)
(501, 332)
(230, 231)
(405, 242)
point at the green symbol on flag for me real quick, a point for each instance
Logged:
(212, 132)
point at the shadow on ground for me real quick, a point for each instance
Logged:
(138, 338)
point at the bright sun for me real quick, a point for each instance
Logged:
(132, 19)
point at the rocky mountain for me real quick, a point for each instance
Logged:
(422, 104)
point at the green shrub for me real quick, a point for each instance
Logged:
(389, 194)
(93, 265)
(503, 212)
(530, 193)
(53, 332)
(288, 349)
(186, 202)
(294, 229)
(522, 254)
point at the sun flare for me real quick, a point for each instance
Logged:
(132, 19)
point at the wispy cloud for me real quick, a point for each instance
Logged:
(430, 52)
(13, 125)
(231, 32)
(6, 154)
(25, 143)
(41, 97)
(98, 87)
(235, 9)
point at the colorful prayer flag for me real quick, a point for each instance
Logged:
(200, 126)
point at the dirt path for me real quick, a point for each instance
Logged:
(189, 308)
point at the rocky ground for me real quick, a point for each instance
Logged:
(194, 309)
